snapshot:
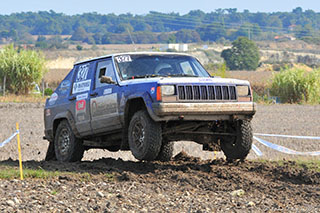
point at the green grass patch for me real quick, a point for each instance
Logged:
(312, 164)
(309, 164)
(11, 172)
(14, 173)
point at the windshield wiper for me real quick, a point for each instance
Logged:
(145, 76)
(182, 75)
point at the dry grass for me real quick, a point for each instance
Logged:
(22, 99)
(255, 77)
(54, 76)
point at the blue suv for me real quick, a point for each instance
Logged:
(143, 102)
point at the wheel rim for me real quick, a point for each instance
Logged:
(138, 134)
(64, 141)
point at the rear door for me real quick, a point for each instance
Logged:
(79, 98)
(104, 99)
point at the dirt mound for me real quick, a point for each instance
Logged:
(184, 184)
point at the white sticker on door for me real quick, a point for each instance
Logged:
(107, 91)
(82, 96)
(81, 86)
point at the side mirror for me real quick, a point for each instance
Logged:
(107, 80)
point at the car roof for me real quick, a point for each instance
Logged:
(131, 53)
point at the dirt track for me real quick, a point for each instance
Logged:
(186, 184)
(276, 119)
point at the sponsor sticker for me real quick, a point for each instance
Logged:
(81, 86)
(205, 79)
(48, 112)
(64, 86)
(82, 96)
(107, 91)
(53, 98)
(123, 58)
(81, 105)
(152, 90)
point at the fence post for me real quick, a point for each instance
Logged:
(4, 85)
(42, 87)
(19, 150)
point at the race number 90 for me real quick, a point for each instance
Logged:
(83, 72)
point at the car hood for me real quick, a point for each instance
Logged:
(186, 80)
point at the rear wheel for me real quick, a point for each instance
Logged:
(238, 147)
(67, 147)
(166, 152)
(144, 136)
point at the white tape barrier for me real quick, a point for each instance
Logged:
(9, 139)
(256, 150)
(288, 136)
(282, 148)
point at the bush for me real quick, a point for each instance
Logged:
(216, 69)
(48, 92)
(244, 55)
(297, 86)
(21, 68)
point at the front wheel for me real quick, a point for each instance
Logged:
(67, 147)
(238, 146)
(144, 136)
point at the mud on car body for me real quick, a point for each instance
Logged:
(143, 102)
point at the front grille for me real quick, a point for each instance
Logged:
(206, 92)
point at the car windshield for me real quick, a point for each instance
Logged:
(146, 66)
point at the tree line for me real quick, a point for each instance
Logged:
(196, 26)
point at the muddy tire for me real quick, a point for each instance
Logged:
(67, 147)
(144, 136)
(238, 147)
(166, 152)
(51, 155)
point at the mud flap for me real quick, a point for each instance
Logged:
(50, 156)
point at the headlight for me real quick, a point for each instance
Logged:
(243, 91)
(167, 90)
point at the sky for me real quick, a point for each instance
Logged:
(71, 7)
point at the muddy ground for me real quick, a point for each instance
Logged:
(192, 182)
(186, 184)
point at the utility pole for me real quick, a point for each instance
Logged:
(132, 40)
(249, 36)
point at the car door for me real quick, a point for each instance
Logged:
(79, 97)
(104, 99)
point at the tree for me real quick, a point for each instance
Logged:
(20, 69)
(244, 55)
(79, 35)
(187, 36)
(212, 32)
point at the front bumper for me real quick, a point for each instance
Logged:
(203, 111)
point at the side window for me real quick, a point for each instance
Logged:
(186, 68)
(104, 68)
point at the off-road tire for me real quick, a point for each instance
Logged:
(239, 146)
(166, 152)
(67, 147)
(144, 136)
(51, 155)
